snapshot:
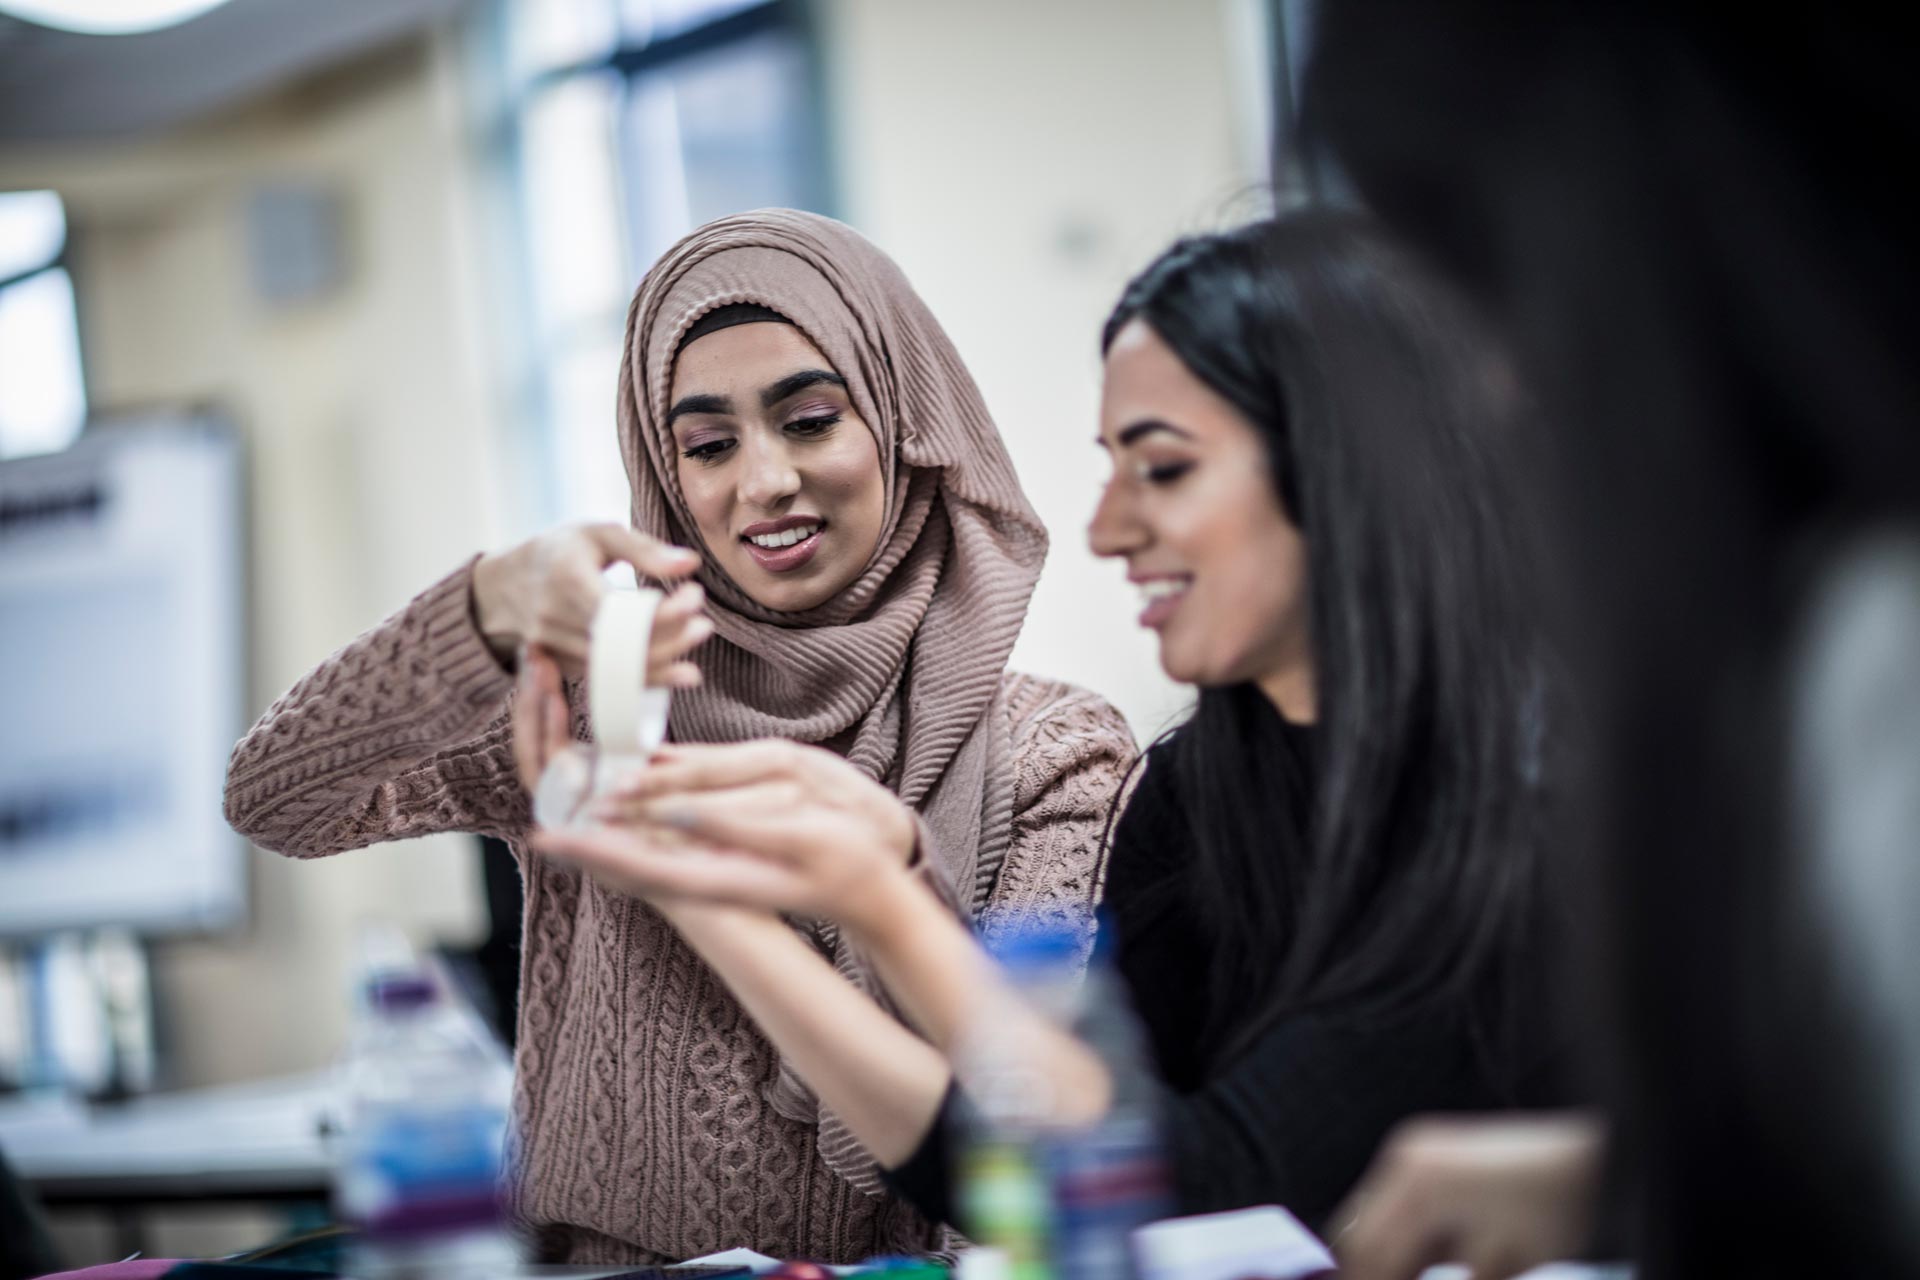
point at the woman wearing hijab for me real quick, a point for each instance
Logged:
(791, 412)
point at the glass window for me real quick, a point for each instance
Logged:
(645, 20)
(716, 134)
(547, 35)
(574, 210)
(33, 231)
(638, 120)
(43, 401)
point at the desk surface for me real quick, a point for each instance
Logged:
(260, 1140)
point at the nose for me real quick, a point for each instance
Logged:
(769, 479)
(1116, 528)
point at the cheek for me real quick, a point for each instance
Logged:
(1249, 567)
(847, 472)
(709, 498)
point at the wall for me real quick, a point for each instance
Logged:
(1021, 161)
(370, 435)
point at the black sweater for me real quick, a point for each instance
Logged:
(1294, 1118)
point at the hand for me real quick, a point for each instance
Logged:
(1501, 1195)
(771, 824)
(544, 592)
(542, 720)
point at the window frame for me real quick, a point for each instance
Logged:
(541, 343)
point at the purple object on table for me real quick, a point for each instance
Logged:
(137, 1269)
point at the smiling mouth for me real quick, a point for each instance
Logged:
(785, 537)
(782, 550)
(1161, 596)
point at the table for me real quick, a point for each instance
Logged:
(260, 1142)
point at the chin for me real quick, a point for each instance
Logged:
(1203, 671)
(784, 595)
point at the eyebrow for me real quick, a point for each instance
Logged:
(791, 385)
(1133, 431)
(698, 404)
(794, 383)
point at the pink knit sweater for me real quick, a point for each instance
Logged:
(643, 1129)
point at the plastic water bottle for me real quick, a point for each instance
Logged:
(426, 1090)
(1074, 1195)
(1108, 1179)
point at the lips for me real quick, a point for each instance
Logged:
(1162, 596)
(783, 545)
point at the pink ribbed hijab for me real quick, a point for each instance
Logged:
(907, 661)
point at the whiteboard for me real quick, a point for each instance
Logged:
(122, 680)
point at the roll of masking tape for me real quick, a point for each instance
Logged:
(628, 717)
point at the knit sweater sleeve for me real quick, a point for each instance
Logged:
(1072, 751)
(404, 732)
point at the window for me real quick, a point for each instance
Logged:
(43, 400)
(635, 121)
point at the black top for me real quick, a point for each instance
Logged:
(1295, 1117)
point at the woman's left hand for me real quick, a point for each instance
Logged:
(769, 824)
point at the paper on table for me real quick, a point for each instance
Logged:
(758, 1263)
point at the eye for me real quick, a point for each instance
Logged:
(809, 427)
(1163, 472)
(707, 450)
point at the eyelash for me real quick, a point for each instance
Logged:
(1165, 473)
(805, 428)
(811, 427)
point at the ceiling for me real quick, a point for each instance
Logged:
(61, 86)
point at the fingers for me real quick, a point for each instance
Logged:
(527, 762)
(679, 675)
(1401, 1219)
(542, 723)
(556, 717)
(679, 627)
(1388, 1240)
(769, 801)
(686, 767)
(632, 865)
(650, 557)
(564, 640)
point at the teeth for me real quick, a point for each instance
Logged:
(1161, 588)
(772, 541)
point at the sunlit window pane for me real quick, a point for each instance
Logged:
(573, 203)
(651, 19)
(33, 230)
(717, 134)
(43, 402)
(582, 382)
(549, 34)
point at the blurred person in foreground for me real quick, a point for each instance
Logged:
(1696, 228)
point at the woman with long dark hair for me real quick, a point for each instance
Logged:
(1322, 889)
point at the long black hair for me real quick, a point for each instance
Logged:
(1384, 415)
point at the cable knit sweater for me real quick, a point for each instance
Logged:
(643, 1132)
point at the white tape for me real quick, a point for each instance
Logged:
(563, 787)
(629, 719)
(625, 719)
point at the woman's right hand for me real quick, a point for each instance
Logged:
(1503, 1194)
(545, 591)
